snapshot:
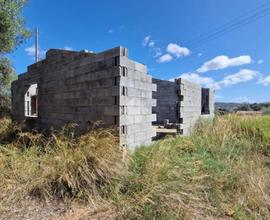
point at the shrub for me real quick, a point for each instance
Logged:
(60, 166)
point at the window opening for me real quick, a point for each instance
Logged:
(116, 81)
(181, 120)
(124, 91)
(123, 129)
(123, 110)
(31, 101)
(116, 100)
(124, 71)
(115, 119)
(205, 101)
(116, 61)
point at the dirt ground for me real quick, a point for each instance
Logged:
(29, 209)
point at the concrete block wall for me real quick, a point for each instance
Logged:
(136, 105)
(180, 102)
(80, 90)
(83, 88)
(167, 101)
(190, 105)
(19, 89)
(211, 103)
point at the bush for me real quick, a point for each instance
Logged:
(60, 167)
(5, 106)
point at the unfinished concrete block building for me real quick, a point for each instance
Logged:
(182, 103)
(83, 88)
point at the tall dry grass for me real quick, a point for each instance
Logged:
(60, 167)
(221, 171)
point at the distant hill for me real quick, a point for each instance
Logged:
(232, 106)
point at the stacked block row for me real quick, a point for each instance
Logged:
(80, 91)
(167, 101)
(136, 104)
(181, 103)
(190, 105)
(85, 88)
(108, 87)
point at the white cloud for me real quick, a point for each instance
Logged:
(173, 50)
(233, 79)
(195, 78)
(222, 62)
(157, 51)
(242, 76)
(68, 48)
(30, 51)
(177, 50)
(151, 43)
(260, 61)
(264, 80)
(199, 54)
(110, 31)
(165, 58)
(146, 41)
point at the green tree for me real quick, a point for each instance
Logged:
(7, 75)
(12, 34)
(12, 25)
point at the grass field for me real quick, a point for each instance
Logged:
(222, 171)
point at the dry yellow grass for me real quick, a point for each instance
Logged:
(60, 167)
(222, 171)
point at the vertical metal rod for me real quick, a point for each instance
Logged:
(36, 49)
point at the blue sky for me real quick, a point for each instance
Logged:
(158, 34)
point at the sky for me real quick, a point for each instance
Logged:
(174, 38)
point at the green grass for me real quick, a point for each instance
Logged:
(266, 110)
(221, 171)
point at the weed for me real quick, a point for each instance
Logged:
(221, 171)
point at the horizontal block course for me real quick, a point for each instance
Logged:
(82, 87)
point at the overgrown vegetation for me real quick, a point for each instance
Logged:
(12, 34)
(222, 171)
(59, 167)
(266, 110)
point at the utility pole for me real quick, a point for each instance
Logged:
(36, 48)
